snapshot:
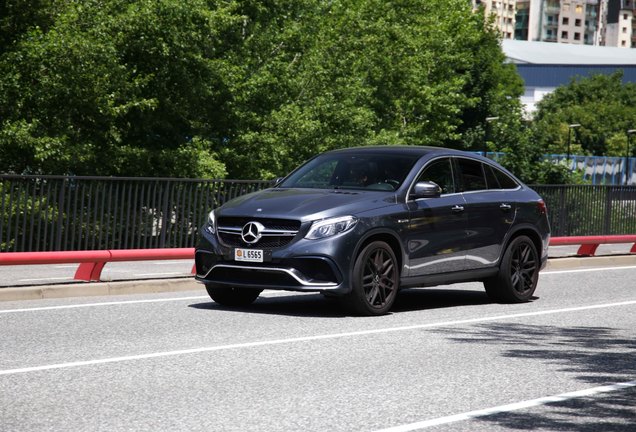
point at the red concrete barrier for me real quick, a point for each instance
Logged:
(92, 262)
(589, 244)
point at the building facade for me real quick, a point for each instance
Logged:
(579, 22)
(619, 24)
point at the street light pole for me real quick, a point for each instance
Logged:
(488, 121)
(570, 127)
(630, 132)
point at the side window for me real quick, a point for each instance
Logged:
(471, 175)
(440, 172)
(505, 182)
(491, 180)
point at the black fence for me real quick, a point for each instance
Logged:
(53, 213)
(583, 210)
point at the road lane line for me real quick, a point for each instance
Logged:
(47, 308)
(510, 407)
(307, 338)
(271, 294)
(161, 274)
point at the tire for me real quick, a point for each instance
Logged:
(518, 273)
(230, 296)
(375, 280)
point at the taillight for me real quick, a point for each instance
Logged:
(541, 207)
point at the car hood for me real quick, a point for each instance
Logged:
(306, 204)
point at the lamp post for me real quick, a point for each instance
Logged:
(488, 121)
(630, 132)
(570, 127)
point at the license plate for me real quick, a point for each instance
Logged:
(248, 255)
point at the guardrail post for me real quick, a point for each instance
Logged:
(587, 250)
(90, 271)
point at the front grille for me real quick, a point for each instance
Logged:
(235, 240)
(229, 229)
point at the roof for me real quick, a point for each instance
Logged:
(397, 149)
(551, 53)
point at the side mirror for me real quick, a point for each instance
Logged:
(426, 189)
(276, 181)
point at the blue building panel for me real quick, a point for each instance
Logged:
(537, 75)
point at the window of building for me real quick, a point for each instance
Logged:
(577, 22)
(579, 9)
(564, 35)
(624, 29)
(625, 17)
(577, 36)
(623, 43)
(566, 21)
(566, 7)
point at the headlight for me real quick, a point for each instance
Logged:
(331, 227)
(211, 227)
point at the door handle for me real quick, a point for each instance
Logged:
(457, 209)
(505, 207)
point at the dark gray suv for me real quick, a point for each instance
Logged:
(363, 223)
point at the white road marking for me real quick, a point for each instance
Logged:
(76, 306)
(306, 338)
(511, 407)
(591, 269)
(66, 266)
(184, 261)
(271, 294)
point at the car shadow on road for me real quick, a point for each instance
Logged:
(317, 305)
(302, 305)
(438, 298)
(596, 356)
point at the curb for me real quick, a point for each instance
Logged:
(149, 286)
(146, 286)
(572, 263)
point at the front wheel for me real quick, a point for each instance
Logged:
(375, 280)
(230, 296)
(518, 273)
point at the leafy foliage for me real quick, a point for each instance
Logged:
(245, 88)
(603, 106)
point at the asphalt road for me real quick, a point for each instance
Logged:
(446, 359)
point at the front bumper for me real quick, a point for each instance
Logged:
(302, 265)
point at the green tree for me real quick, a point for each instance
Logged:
(603, 106)
(250, 88)
(116, 88)
(356, 72)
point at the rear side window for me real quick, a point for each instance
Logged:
(471, 175)
(505, 181)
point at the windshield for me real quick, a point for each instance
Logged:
(373, 171)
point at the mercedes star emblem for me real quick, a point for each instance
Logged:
(252, 232)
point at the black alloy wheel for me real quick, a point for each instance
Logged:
(518, 273)
(230, 296)
(375, 280)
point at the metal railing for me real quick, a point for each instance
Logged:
(55, 213)
(585, 210)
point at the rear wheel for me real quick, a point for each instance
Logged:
(230, 296)
(518, 273)
(375, 280)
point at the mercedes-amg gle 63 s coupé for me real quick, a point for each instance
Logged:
(363, 223)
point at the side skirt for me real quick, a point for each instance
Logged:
(448, 278)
